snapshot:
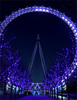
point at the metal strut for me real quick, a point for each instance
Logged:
(42, 59)
(41, 56)
(32, 59)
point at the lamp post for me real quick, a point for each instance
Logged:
(61, 92)
(54, 92)
(44, 91)
(68, 87)
(4, 93)
(57, 92)
(11, 92)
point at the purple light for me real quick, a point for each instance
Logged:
(76, 38)
(74, 67)
(65, 77)
(69, 75)
(72, 71)
(0, 34)
(1, 46)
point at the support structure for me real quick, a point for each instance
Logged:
(41, 56)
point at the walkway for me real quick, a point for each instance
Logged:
(36, 98)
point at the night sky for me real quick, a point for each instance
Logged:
(54, 33)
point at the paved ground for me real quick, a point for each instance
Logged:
(72, 97)
(44, 98)
(36, 98)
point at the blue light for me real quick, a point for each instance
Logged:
(33, 92)
(17, 89)
(14, 86)
(38, 92)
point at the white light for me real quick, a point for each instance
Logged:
(36, 9)
(7, 85)
(75, 34)
(61, 97)
(8, 82)
(63, 83)
(40, 9)
(76, 63)
(70, 25)
(17, 88)
(43, 9)
(47, 10)
(62, 17)
(68, 22)
(65, 19)
(59, 86)
(65, 87)
(74, 67)
(72, 71)
(62, 80)
(74, 30)
(65, 77)
(69, 75)
(8, 78)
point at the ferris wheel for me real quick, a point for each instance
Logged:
(62, 16)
